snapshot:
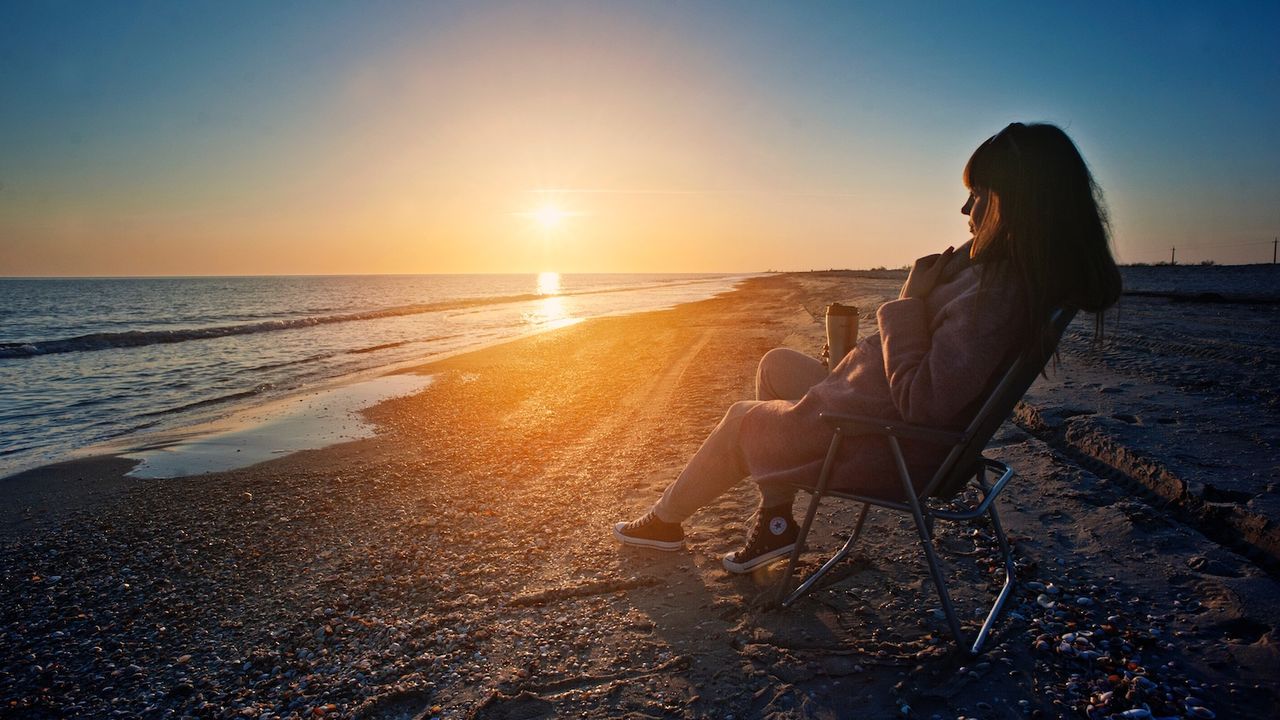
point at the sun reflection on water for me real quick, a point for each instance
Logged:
(548, 283)
(550, 311)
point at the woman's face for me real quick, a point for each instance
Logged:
(976, 208)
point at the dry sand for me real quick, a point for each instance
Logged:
(460, 563)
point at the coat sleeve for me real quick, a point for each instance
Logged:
(935, 367)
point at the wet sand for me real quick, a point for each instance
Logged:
(460, 564)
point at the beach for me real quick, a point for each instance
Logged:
(149, 357)
(459, 562)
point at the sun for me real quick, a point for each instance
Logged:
(549, 216)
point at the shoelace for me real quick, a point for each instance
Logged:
(753, 537)
(642, 522)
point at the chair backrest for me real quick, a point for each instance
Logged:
(1008, 389)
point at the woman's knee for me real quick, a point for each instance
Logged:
(777, 359)
(738, 409)
(786, 374)
(771, 365)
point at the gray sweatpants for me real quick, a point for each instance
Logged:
(718, 465)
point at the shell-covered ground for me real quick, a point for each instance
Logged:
(461, 564)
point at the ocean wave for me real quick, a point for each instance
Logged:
(288, 363)
(256, 390)
(141, 338)
(376, 348)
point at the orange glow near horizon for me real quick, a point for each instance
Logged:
(542, 153)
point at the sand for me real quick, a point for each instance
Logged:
(459, 563)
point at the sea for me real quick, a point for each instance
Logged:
(87, 361)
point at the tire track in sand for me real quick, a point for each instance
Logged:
(584, 546)
(636, 415)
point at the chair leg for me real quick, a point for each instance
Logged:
(801, 536)
(1009, 581)
(924, 527)
(823, 478)
(809, 582)
(926, 543)
(935, 570)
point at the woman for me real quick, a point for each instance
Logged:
(1039, 241)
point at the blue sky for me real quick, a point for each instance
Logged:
(229, 138)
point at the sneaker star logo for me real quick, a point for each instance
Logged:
(778, 525)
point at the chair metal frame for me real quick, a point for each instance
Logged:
(964, 466)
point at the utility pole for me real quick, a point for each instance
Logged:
(1173, 256)
(1274, 243)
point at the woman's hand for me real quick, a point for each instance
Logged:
(925, 273)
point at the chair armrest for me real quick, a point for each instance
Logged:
(863, 425)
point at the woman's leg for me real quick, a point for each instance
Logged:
(784, 374)
(716, 467)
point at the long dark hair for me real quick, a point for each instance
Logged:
(1045, 223)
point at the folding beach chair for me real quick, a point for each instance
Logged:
(964, 465)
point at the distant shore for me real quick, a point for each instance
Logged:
(459, 564)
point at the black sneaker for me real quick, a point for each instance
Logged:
(650, 532)
(773, 536)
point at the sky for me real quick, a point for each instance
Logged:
(224, 138)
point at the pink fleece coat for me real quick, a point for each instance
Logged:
(929, 364)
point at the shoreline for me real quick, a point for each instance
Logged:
(459, 564)
(248, 369)
(59, 486)
(246, 417)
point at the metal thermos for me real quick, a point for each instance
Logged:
(842, 332)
